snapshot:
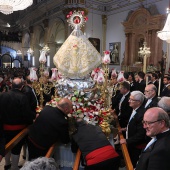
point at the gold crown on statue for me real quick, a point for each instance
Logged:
(76, 18)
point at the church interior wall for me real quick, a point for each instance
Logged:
(115, 30)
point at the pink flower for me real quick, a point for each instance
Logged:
(107, 52)
(86, 18)
(82, 12)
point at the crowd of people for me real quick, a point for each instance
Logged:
(142, 114)
(10, 36)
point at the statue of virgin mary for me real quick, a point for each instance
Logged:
(77, 56)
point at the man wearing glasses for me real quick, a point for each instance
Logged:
(150, 95)
(155, 156)
(135, 133)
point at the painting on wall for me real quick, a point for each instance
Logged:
(114, 49)
(96, 43)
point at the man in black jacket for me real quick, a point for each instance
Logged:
(155, 156)
(151, 97)
(16, 115)
(97, 151)
(135, 133)
(50, 126)
(2, 140)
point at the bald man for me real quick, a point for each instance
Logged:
(50, 126)
(155, 156)
(16, 115)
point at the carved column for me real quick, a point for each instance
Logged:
(45, 24)
(104, 27)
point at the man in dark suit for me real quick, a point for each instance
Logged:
(151, 98)
(166, 88)
(154, 79)
(141, 83)
(30, 93)
(16, 115)
(50, 126)
(155, 156)
(124, 109)
(97, 151)
(135, 133)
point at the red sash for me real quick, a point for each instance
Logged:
(100, 155)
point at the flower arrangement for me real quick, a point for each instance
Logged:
(90, 110)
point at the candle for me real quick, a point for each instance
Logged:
(146, 80)
(33, 61)
(159, 87)
(48, 60)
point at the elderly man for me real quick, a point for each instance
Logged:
(16, 115)
(50, 126)
(164, 103)
(156, 154)
(151, 98)
(135, 133)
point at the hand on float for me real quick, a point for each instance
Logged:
(122, 129)
(122, 141)
(36, 117)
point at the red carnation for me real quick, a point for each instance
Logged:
(107, 52)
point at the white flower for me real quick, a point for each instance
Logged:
(69, 115)
(96, 113)
(82, 93)
(89, 103)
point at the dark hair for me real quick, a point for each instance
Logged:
(125, 85)
(167, 77)
(155, 75)
(126, 75)
(141, 74)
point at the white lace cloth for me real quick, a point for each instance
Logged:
(77, 56)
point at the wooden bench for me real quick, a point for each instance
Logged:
(77, 160)
(15, 140)
(124, 149)
(51, 151)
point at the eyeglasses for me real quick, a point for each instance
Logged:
(132, 100)
(147, 123)
(147, 91)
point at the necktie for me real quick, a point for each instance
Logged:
(148, 102)
(35, 95)
(132, 115)
(150, 143)
(123, 97)
(120, 103)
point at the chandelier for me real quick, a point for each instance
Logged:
(165, 33)
(144, 52)
(9, 6)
